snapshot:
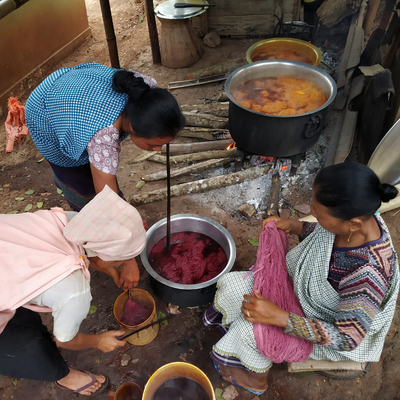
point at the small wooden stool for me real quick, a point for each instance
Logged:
(342, 370)
(179, 44)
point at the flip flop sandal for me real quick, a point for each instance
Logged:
(102, 388)
(233, 381)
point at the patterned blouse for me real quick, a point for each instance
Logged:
(362, 277)
(104, 148)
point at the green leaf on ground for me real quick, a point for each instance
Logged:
(59, 191)
(42, 159)
(1, 189)
(161, 315)
(30, 192)
(92, 309)
(39, 204)
(218, 394)
(304, 373)
(140, 184)
(13, 212)
(254, 242)
(19, 198)
(98, 361)
(15, 381)
(141, 19)
(28, 207)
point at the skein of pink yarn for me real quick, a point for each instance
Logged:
(273, 282)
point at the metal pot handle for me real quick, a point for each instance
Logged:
(314, 120)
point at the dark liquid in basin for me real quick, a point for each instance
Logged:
(192, 258)
(180, 389)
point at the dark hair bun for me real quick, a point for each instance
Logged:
(387, 192)
(127, 82)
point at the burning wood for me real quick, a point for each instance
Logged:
(205, 120)
(201, 166)
(186, 148)
(216, 109)
(204, 155)
(205, 133)
(201, 185)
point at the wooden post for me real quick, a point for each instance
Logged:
(110, 34)
(370, 16)
(151, 23)
(273, 201)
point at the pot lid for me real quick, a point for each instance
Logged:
(167, 10)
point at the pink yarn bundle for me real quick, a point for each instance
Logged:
(273, 282)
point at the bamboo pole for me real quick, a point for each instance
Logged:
(204, 155)
(201, 185)
(201, 166)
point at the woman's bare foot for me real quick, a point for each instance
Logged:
(77, 379)
(247, 379)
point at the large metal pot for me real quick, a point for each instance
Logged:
(273, 135)
(181, 294)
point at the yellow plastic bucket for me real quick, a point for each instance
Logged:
(146, 300)
(177, 370)
(278, 44)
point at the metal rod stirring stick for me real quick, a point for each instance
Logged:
(168, 200)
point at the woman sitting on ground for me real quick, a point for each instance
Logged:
(345, 276)
(44, 267)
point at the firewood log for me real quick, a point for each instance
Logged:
(201, 185)
(205, 120)
(201, 166)
(186, 148)
(204, 155)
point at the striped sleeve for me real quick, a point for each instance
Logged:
(308, 228)
(362, 293)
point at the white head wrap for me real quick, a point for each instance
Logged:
(109, 227)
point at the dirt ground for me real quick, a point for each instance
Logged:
(185, 338)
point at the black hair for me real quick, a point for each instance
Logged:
(152, 112)
(351, 190)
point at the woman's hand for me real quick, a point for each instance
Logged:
(105, 342)
(285, 224)
(130, 274)
(108, 341)
(257, 309)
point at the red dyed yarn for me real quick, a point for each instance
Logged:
(273, 282)
(134, 314)
(187, 263)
